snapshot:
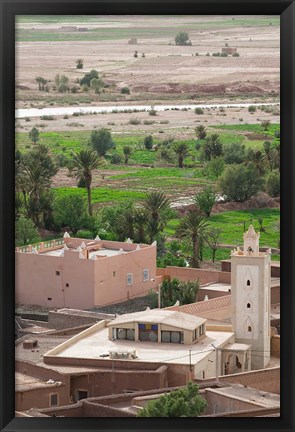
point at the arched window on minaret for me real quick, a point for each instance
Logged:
(249, 328)
(248, 282)
(249, 305)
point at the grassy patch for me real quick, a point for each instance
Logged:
(231, 225)
(100, 195)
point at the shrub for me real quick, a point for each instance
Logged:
(125, 90)
(234, 153)
(79, 64)
(116, 158)
(272, 185)
(252, 108)
(47, 117)
(134, 121)
(236, 54)
(224, 54)
(148, 142)
(152, 112)
(182, 38)
(199, 110)
(240, 183)
(88, 77)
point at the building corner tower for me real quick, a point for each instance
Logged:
(250, 302)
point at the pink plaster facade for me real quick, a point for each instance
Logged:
(73, 282)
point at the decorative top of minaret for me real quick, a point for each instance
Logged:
(251, 241)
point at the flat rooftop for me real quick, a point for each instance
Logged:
(27, 382)
(101, 252)
(92, 346)
(265, 399)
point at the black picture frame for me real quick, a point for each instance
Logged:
(8, 10)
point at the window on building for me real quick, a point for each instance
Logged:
(82, 394)
(148, 332)
(248, 305)
(146, 275)
(67, 284)
(202, 329)
(248, 282)
(129, 279)
(249, 328)
(171, 337)
(124, 334)
(114, 273)
(57, 273)
(49, 298)
(54, 399)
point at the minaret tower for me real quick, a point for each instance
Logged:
(250, 302)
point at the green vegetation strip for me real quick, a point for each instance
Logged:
(100, 195)
(231, 225)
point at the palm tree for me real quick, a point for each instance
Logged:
(182, 151)
(201, 132)
(156, 205)
(140, 220)
(213, 147)
(193, 227)
(127, 150)
(81, 167)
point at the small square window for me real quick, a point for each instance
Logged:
(129, 279)
(49, 298)
(146, 275)
(57, 273)
(67, 284)
(54, 399)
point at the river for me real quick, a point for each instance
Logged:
(70, 110)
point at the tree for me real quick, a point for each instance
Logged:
(201, 132)
(205, 200)
(127, 150)
(37, 170)
(256, 158)
(234, 153)
(156, 204)
(214, 168)
(81, 166)
(79, 63)
(212, 147)
(239, 182)
(34, 135)
(25, 232)
(140, 221)
(71, 211)
(182, 38)
(265, 124)
(96, 84)
(148, 142)
(272, 185)
(193, 227)
(212, 239)
(101, 141)
(88, 77)
(184, 402)
(41, 82)
(182, 151)
(62, 83)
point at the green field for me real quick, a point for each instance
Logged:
(231, 225)
(117, 32)
(100, 195)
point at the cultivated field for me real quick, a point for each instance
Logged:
(47, 46)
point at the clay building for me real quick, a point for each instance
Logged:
(80, 273)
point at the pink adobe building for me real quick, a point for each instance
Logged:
(81, 273)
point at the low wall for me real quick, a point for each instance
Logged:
(65, 319)
(187, 274)
(275, 267)
(267, 380)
